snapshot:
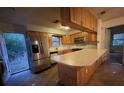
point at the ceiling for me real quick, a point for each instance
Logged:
(46, 16)
(108, 12)
(35, 16)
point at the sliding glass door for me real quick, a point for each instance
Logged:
(16, 52)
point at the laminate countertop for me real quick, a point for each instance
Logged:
(80, 58)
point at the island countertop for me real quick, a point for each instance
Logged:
(85, 57)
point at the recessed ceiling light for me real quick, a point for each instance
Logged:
(67, 28)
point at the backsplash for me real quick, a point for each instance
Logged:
(63, 47)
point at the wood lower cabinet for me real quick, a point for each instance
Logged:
(69, 75)
(74, 75)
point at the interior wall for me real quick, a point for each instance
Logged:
(114, 22)
(99, 34)
(103, 41)
(107, 39)
(6, 27)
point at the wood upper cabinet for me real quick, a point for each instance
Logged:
(88, 37)
(79, 18)
(75, 14)
(92, 22)
(66, 39)
(95, 24)
(88, 20)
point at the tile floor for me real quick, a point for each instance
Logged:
(107, 74)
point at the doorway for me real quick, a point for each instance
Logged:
(16, 52)
(117, 42)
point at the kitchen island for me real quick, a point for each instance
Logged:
(76, 68)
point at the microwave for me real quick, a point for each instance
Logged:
(79, 40)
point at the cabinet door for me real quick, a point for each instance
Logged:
(64, 39)
(95, 24)
(86, 37)
(92, 22)
(88, 20)
(85, 17)
(94, 37)
(72, 38)
(68, 39)
(89, 37)
(75, 15)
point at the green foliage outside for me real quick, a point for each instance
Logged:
(15, 45)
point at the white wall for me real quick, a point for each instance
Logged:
(103, 36)
(7, 27)
(114, 22)
(99, 33)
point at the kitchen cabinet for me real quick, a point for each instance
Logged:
(73, 71)
(66, 39)
(94, 37)
(88, 37)
(84, 17)
(85, 36)
(50, 40)
(72, 38)
(92, 22)
(75, 14)
(95, 24)
(79, 18)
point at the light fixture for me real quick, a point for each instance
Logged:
(36, 42)
(67, 28)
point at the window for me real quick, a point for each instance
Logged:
(55, 41)
(118, 39)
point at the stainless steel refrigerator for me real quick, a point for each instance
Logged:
(40, 60)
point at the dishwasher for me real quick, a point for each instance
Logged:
(52, 54)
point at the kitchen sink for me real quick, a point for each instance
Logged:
(76, 49)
